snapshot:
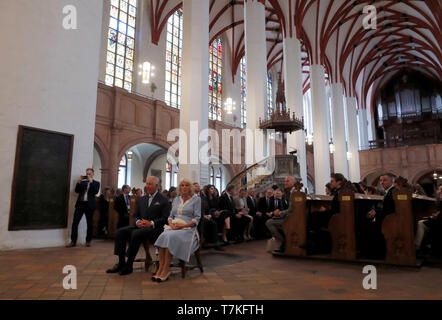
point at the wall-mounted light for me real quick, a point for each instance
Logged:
(435, 175)
(229, 105)
(332, 147)
(130, 155)
(309, 139)
(349, 155)
(146, 71)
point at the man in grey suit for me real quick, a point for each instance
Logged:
(275, 224)
(149, 219)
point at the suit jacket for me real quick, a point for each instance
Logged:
(284, 213)
(282, 204)
(81, 188)
(121, 206)
(252, 205)
(388, 206)
(262, 205)
(157, 212)
(225, 204)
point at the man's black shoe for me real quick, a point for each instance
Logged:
(279, 250)
(126, 270)
(115, 269)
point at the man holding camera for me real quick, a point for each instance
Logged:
(86, 188)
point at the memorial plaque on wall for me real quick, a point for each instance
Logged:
(41, 183)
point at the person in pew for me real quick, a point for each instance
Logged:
(429, 226)
(241, 206)
(369, 238)
(263, 214)
(275, 224)
(138, 193)
(103, 206)
(237, 218)
(207, 227)
(150, 216)
(251, 202)
(373, 235)
(277, 202)
(122, 206)
(328, 189)
(221, 219)
(318, 239)
(87, 188)
(180, 237)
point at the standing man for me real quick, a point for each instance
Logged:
(149, 219)
(275, 224)
(86, 188)
(122, 206)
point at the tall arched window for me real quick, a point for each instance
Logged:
(215, 80)
(243, 67)
(270, 106)
(219, 179)
(174, 46)
(212, 176)
(122, 172)
(121, 44)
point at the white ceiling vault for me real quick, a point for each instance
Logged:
(408, 35)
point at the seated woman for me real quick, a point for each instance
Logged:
(180, 237)
(103, 207)
(241, 207)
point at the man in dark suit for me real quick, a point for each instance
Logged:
(237, 219)
(86, 188)
(263, 214)
(277, 202)
(149, 219)
(122, 206)
(275, 224)
(251, 202)
(373, 235)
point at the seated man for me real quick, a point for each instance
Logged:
(238, 219)
(275, 223)
(122, 206)
(431, 224)
(318, 221)
(373, 236)
(149, 219)
(263, 214)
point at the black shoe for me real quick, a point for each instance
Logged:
(279, 250)
(126, 270)
(71, 245)
(115, 269)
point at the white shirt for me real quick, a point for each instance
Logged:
(87, 190)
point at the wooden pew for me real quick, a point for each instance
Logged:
(133, 206)
(96, 217)
(113, 219)
(295, 226)
(399, 228)
(342, 228)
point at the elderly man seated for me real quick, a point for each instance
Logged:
(149, 218)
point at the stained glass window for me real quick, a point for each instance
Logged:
(212, 176)
(174, 46)
(215, 80)
(219, 177)
(168, 175)
(270, 106)
(121, 44)
(243, 67)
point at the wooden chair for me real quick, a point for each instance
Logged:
(185, 268)
(148, 261)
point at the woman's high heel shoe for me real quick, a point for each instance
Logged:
(164, 279)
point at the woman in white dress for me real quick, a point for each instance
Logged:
(180, 237)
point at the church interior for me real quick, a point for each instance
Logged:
(310, 131)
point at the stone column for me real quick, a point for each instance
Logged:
(363, 128)
(294, 99)
(255, 39)
(340, 155)
(194, 114)
(353, 162)
(320, 129)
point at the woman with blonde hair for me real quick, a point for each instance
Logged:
(180, 237)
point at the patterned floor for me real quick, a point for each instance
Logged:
(243, 271)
